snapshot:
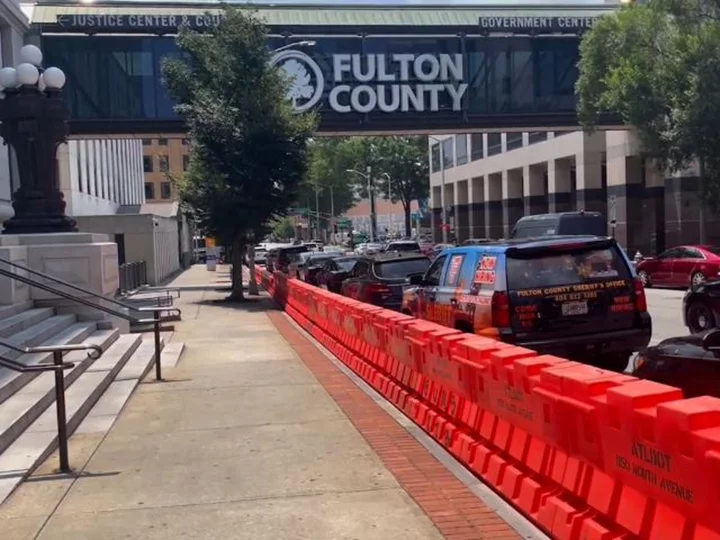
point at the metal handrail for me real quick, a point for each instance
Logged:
(68, 284)
(156, 311)
(59, 367)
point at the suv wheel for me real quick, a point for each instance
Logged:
(700, 317)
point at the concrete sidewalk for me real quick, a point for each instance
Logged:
(240, 442)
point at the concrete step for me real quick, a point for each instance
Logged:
(39, 440)
(171, 353)
(14, 309)
(103, 415)
(23, 320)
(38, 333)
(11, 381)
(25, 405)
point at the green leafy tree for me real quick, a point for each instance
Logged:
(657, 66)
(399, 167)
(330, 157)
(250, 150)
(284, 229)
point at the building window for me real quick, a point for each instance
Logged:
(447, 150)
(149, 190)
(494, 144)
(514, 140)
(537, 136)
(165, 190)
(147, 142)
(164, 166)
(461, 156)
(162, 142)
(147, 163)
(435, 157)
(186, 162)
(476, 146)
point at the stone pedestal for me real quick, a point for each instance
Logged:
(87, 260)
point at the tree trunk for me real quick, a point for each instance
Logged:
(252, 283)
(408, 224)
(237, 255)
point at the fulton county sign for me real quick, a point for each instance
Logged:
(363, 83)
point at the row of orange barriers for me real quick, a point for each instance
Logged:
(585, 453)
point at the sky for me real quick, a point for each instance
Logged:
(475, 3)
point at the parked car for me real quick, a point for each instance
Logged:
(681, 266)
(402, 245)
(560, 224)
(285, 255)
(334, 272)
(310, 264)
(381, 280)
(261, 256)
(701, 306)
(369, 248)
(574, 297)
(691, 363)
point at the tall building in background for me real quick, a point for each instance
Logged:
(164, 157)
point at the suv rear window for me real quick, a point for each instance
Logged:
(403, 246)
(401, 268)
(565, 268)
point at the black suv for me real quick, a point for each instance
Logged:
(575, 296)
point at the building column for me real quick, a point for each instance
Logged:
(625, 202)
(436, 214)
(590, 189)
(462, 212)
(450, 209)
(654, 207)
(535, 190)
(477, 207)
(559, 186)
(493, 205)
(512, 199)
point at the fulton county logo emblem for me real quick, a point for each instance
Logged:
(305, 78)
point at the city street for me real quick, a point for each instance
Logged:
(665, 306)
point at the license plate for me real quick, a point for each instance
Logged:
(575, 308)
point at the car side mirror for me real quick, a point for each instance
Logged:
(417, 280)
(711, 341)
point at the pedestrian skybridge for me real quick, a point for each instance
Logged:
(366, 69)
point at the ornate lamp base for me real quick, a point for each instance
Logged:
(40, 224)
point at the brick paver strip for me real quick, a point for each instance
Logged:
(452, 507)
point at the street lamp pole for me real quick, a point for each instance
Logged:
(442, 192)
(392, 206)
(371, 197)
(34, 119)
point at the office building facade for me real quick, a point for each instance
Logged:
(165, 158)
(482, 183)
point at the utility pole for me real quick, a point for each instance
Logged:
(317, 213)
(371, 195)
(332, 214)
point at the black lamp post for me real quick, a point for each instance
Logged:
(34, 120)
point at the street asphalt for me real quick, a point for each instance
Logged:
(665, 306)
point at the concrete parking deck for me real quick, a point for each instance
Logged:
(255, 434)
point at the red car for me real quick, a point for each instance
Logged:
(682, 266)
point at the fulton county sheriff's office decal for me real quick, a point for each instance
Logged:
(363, 83)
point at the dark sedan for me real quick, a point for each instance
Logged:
(691, 363)
(307, 266)
(335, 272)
(383, 279)
(701, 306)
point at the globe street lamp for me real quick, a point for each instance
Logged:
(34, 120)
